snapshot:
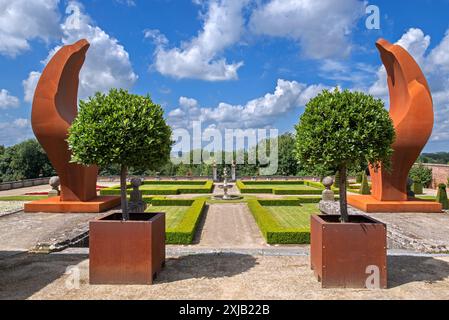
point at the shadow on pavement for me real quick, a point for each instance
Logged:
(407, 269)
(23, 274)
(207, 266)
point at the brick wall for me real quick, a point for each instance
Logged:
(440, 173)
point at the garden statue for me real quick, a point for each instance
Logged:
(214, 172)
(233, 171)
(328, 194)
(54, 183)
(226, 187)
(136, 203)
(55, 106)
(411, 109)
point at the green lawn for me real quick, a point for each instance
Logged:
(293, 216)
(173, 214)
(22, 198)
(167, 186)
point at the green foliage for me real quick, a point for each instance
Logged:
(417, 188)
(272, 231)
(442, 196)
(359, 177)
(420, 174)
(439, 158)
(26, 160)
(344, 128)
(184, 232)
(120, 128)
(287, 163)
(22, 198)
(365, 188)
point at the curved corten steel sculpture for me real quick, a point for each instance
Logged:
(411, 109)
(55, 106)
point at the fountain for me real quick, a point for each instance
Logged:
(226, 186)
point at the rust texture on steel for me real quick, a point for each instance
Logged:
(343, 254)
(411, 109)
(131, 252)
(54, 109)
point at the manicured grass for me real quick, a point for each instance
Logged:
(283, 221)
(293, 216)
(173, 215)
(22, 198)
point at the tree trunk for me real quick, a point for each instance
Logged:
(343, 198)
(123, 192)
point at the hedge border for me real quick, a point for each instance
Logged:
(184, 232)
(270, 228)
(204, 187)
(244, 189)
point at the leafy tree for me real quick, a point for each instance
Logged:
(26, 160)
(288, 165)
(421, 174)
(344, 129)
(120, 128)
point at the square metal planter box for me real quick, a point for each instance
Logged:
(346, 255)
(126, 252)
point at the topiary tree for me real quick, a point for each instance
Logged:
(344, 129)
(442, 196)
(364, 188)
(120, 128)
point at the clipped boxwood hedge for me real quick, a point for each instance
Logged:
(184, 232)
(203, 187)
(245, 187)
(271, 230)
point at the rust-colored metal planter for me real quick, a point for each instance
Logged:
(349, 255)
(126, 252)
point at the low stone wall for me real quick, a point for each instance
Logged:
(440, 173)
(23, 184)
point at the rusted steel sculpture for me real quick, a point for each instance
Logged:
(411, 109)
(54, 109)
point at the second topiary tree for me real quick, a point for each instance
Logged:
(344, 129)
(365, 188)
(442, 196)
(120, 128)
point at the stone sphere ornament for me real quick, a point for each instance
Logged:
(136, 182)
(328, 182)
(55, 182)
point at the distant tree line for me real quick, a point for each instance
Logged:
(27, 160)
(437, 158)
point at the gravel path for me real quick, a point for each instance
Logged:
(230, 226)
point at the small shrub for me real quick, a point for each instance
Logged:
(442, 196)
(364, 188)
(417, 188)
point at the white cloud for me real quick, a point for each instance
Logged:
(15, 131)
(200, 57)
(29, 85)
(322, 28)
(25, 20)
(257, 113)
(107, 63)
(7, 100)
(435, 65)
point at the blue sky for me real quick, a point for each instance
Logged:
(229, 63)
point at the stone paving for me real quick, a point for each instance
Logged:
(218, 276)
